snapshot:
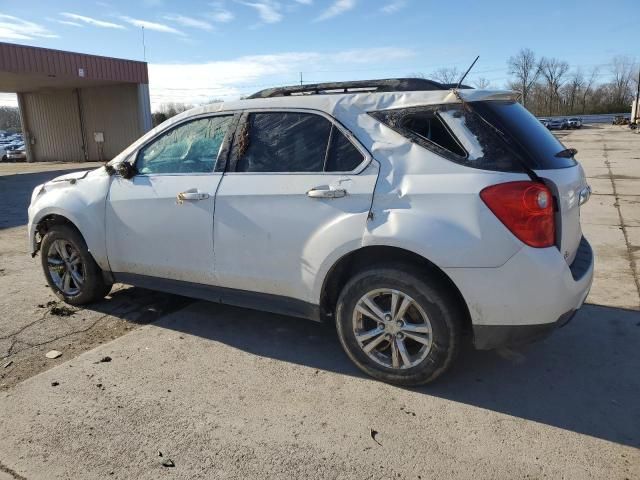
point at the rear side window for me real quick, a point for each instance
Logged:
(491, 135)
(285, 142)
(453, 133)
(430, 127)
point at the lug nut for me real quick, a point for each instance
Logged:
(381, 326)
(400, 323)
(387, 317)
(399, 336)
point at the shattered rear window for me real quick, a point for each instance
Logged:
(453, 132)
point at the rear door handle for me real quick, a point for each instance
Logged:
(192, 195)
(326, 192)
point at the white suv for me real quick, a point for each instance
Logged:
(406, 212)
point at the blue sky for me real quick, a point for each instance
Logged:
(198, 50)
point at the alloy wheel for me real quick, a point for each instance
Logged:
(392, 329)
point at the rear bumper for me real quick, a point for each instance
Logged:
(527, 297)
(489, 337)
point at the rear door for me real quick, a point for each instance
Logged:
(298, 188)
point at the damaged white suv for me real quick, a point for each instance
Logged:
(407, 212)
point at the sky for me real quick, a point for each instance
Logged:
(203, 50)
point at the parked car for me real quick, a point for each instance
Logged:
(558, 124)
(15, 154)
(407, 214)
(544, 121)
(574, 122)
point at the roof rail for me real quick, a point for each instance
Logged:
(357, 86)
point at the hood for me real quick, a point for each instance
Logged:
(75, 176)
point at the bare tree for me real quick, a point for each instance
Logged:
(573, 88)
(588, 87)
(526, 70)
(447, 75)
(553, 71)
(622, 70)
(482, 83)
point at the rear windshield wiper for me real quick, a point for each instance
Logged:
(566, 153)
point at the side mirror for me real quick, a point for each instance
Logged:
(126, 170)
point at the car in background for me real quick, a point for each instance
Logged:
(574, 122)
(544, 121)
(558, 124)
(16, 154)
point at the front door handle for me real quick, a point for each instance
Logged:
(192, 195)
(326, 192)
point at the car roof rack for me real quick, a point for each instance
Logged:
(357, 86)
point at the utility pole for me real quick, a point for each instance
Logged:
(144, 47)
(636, 116)
(300, 78)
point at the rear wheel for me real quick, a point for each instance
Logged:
(398, 326)
(69, 268)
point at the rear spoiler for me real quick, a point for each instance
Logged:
(482, 95)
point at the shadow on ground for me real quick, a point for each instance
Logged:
(15, 195)
(584, 378)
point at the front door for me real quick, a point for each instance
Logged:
(297, 191)
(160, 222)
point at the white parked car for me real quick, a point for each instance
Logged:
(574, 122)
(407, 213)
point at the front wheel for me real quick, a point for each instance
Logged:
(70, 270)
(398, 326)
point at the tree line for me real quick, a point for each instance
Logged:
(548, 86)
(10, 119)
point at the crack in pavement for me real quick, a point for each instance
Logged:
(623, 226)
(12, 472)
(74, 332)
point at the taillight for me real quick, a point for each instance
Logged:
(525, 208)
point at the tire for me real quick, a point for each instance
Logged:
(93, 286)
(419, 363)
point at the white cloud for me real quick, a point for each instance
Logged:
(91, 21)
(67, 22)
(189, 22)
(14, 28)
(268, 10)
(394, 6)
(221, 16)
(158, 27)
(199, 83)
(337, 8)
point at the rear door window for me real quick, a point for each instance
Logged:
(284, 142)
(343, 156)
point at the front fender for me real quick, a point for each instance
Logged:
(82, 202)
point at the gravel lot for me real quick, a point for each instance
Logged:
(232, 393)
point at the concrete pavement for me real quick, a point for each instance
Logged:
(232, 393)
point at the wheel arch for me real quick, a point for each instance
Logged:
(353, 262)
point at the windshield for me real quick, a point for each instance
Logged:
(535, 144)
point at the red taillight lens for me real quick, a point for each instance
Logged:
(525, 208)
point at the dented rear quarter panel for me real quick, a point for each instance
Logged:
(80, 197)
